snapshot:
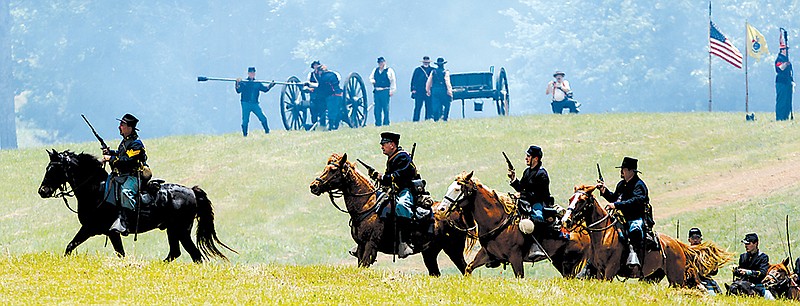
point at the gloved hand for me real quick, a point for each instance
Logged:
(106, 151)
(375, 175)
(511, 174)
(386, 180)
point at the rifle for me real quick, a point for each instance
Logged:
(413, 150)
(599, 174)
(103, 144)
(508, 161)
(203, 79)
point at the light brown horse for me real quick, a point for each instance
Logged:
(372, 234)
(674, 259)
(781, 281)
(497, 227)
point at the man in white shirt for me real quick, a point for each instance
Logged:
(561, 94)
(384, 85)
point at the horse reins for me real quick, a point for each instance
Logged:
(339, 192)
(64, 193)
(505, 223)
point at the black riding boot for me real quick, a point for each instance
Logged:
(120, 225)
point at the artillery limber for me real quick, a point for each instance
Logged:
(481, 85)
(295, 103)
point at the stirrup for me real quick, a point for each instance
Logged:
(404, 250)
(633, 258)
(118, 227)
(535, 253)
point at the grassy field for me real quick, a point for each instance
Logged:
(293, 245)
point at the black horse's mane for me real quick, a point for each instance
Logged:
(86, 160)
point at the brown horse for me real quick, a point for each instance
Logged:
(674, 259)
(498, 231)
(372, 234)
(781, 281)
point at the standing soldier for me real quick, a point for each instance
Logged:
(126, 164)
(783, 84)
(632, 200)
(249, 91)
(418, 92)
(317, 103)
(534, 192)
(384, 85)
(440, 90)
(330, 92)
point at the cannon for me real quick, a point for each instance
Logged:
(295, 103)
(482, 85)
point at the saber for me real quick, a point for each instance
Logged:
(204, 79)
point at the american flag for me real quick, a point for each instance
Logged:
(720, 46)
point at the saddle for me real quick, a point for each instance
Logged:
(149, 193)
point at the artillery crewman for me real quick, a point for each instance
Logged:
(753, 265)
(534, 191)
(317, 102)
(249, 91)
(418, 92)
(399, 175)
(330, 92)
(632, 200)
(384, 84)
(440, 90)
(126, 163)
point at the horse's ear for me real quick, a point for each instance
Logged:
(786, 262)
(343, 160)
(727, 288)
(575, 189)
(469, 176)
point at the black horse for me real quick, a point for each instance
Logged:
(174, 208)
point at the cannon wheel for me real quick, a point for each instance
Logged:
(502, 99)
(294, 105)
(355, 101)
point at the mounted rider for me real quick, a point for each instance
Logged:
(534, 194)
(400, 177)
(632, 200)
(127, 162)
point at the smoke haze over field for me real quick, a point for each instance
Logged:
(106, 58)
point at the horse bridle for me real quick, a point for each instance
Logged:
(64, 190)
(786, 282)
(470, 194)
(338, 192)
(583, 210)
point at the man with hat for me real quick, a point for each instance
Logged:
(632, 200)
(753, 265)
(399, 174)
(317, 103)
(696, 238)
(784, 80)
(534, 192)
(249, 89)
(384, 85)
(126, 163)
(419, 79)
(560, 92)
(440, 90)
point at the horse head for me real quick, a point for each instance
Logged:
(335, 175)
(579, 204)
(741, 287)
(462, 188)
(57, 172)
(778, 276)
(66, 168)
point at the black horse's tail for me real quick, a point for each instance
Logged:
(206, 234)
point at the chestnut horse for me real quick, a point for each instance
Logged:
(498, 229)
(781, 281)
(368, 230)
(674, 259)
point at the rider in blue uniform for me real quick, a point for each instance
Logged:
(632, 200)
(126, 163)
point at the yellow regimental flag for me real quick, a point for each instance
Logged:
(756, 44)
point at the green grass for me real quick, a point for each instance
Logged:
(259, 186)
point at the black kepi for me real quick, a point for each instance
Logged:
(390, 137)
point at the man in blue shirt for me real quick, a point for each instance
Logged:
(249, 89)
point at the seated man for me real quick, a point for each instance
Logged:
(753, 265)
(696, 238)
(399, 175)
(632, 200)
(534, 193)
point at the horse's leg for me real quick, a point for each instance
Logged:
(174, 246)
(481, 258)
(116, 242)
(655, 277)
(370, 253)
(517, 264)
(79, 238)
(185, 237)
(456, 254)
(429, 256)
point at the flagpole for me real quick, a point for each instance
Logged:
(709, 56)
(748, 44)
